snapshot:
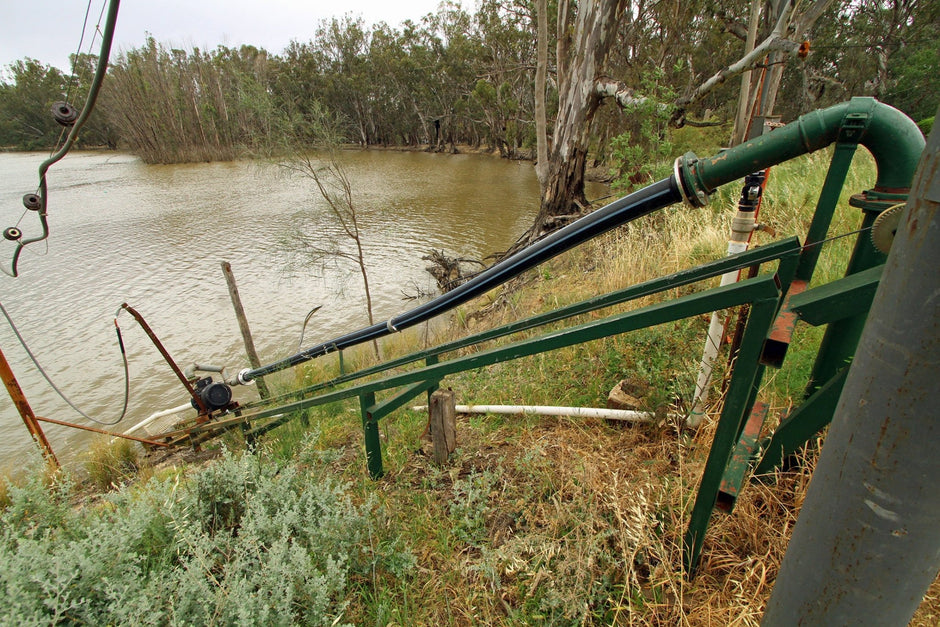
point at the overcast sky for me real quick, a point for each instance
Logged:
(49, 30)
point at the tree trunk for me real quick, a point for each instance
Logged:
(541, 69)
(594, 30)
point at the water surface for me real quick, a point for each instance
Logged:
(154, 237)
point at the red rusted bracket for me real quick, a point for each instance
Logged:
(775, 348)
(200, 405)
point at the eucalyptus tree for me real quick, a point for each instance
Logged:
(889, 49)
(25, 103)
(451, 50)
(401, 118)
(586, 33)
(341, 46)
(502, 98)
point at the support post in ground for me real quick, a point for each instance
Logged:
(370, 428)
(864, 549)
(243, 326)
(443, 424)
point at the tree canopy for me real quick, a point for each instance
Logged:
(453, 78)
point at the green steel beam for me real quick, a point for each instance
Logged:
(825, 208)
(840, 340)
(749, 291)
(730, 425)
(405, 396)
(838, 299)
(786, 251)
(802, 424)
(370, 426)
(733, 478)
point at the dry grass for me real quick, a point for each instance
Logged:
(566, 521)
(109, 465)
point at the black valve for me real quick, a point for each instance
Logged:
(32, 202)
(214, 395)
(13, 234)
(64, 113)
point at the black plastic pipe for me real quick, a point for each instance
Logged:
(636, 205)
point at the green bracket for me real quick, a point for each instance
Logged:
(730, 426)
(733, 479)
(802, 424)
(430, 361)
(370, 425)
(383, 409)
(825, 208)
(839, 299)
(372, 412)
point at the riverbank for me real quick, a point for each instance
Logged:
(155, 236)
(532, 520)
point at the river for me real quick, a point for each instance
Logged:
(155, 236)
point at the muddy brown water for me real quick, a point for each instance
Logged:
(154, 237)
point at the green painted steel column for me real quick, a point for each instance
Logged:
(866, 546)
(740, 392)
(825, 209)
(370, 428)
(840, 340)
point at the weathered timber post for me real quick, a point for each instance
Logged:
(443, 424)
(243, 326)
(866, 546)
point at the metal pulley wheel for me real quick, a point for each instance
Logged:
(13, 234)
(885, 226)
(64, 113)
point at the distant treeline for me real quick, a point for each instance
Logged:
(455, 78)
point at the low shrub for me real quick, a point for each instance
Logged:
(241, 542)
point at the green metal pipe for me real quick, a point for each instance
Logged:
(892, 138)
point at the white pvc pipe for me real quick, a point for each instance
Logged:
(156, 416)
(716, 328)
(543, 410)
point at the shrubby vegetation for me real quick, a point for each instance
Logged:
(240, 542)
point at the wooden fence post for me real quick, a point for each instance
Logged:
(443, 423)
(243, 326)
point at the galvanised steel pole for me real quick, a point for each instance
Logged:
(867, 543)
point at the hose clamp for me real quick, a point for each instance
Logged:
(682, 173)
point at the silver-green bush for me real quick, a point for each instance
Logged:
(240, 543)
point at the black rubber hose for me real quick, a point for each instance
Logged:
(636, 205)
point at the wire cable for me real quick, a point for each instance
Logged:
(71, 82)
(48, 379)
(93, 92)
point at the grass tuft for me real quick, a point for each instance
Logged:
(110, 465)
